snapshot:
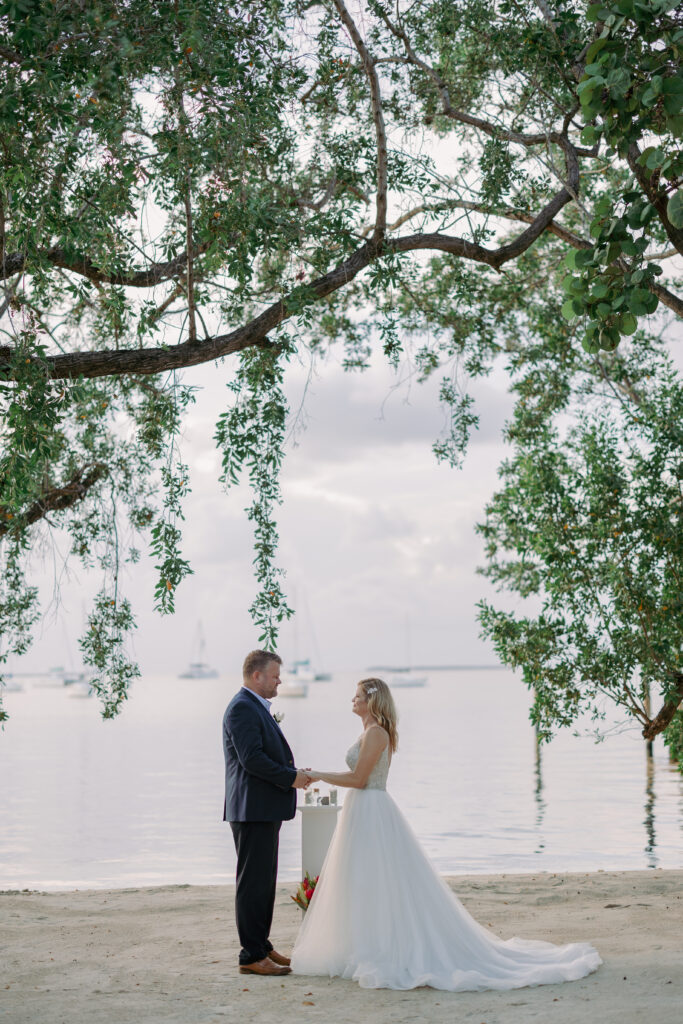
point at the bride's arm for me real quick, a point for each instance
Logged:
(372, 744)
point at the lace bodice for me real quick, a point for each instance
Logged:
(378, 775)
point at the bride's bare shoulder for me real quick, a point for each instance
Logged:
(377, 735)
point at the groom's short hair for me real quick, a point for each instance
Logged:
(256, 661)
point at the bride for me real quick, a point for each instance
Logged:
(382, 915)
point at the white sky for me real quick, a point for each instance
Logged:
(377, 538)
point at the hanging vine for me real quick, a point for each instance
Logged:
(250, 436)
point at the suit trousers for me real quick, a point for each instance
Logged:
(256, 843)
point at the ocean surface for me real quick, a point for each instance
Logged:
(86, 803)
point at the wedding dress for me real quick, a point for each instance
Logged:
(382, 916)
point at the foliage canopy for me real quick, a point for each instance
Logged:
(186, 181)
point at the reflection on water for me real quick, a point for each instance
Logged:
(87, 803)
(649, 819)
(650, 798)
(538, 794)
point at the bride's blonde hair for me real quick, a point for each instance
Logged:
(381, 706)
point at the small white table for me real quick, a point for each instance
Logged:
(318, 822)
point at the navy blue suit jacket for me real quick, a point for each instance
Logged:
(259, 765)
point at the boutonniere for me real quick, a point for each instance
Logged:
(278, 716)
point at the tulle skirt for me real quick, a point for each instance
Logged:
(382, 916)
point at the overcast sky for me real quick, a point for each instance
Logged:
(377, 538)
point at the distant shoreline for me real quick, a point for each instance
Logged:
(435, 668)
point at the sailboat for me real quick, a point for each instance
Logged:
(295, 680)
(297, 675)
(400, 677)
(199, 669)
(80, 688)
(299, 671)
(77, 680)
(403, 677)
(10, 685)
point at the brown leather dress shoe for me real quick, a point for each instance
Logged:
(265, 966)
(278, 958)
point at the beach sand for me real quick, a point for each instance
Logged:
(169, 954)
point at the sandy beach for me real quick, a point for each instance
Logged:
(169, 954)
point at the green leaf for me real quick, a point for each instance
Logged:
(675, 125)
(590, 135)
(590, 345)
(618, 82)
(594, 49)
(637, 302)
(568, 310)
(597, 12)
(576, 286)
(645, 155)
(673, 86)
(583, 257)
(609, 339)
(651, 302)
(674, 209)
(627, 324)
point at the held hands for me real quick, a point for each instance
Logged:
(304, 778)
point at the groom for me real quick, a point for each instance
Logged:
(260, 783)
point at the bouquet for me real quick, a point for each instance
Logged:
(304, 893)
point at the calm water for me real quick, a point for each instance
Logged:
(138, 801)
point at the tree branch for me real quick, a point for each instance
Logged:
(377, 116)
(187, 202)
(59, 498)
(667, 298)
(108, 363)
(16, 263)
(657, 196)
(666, 713)
(447, 109)
(163, 306)
(494, 258)
(507, 213)
(11, 56)
(308, 204)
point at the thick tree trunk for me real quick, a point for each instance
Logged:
(666, 713)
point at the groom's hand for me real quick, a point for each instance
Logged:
(302, 780)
